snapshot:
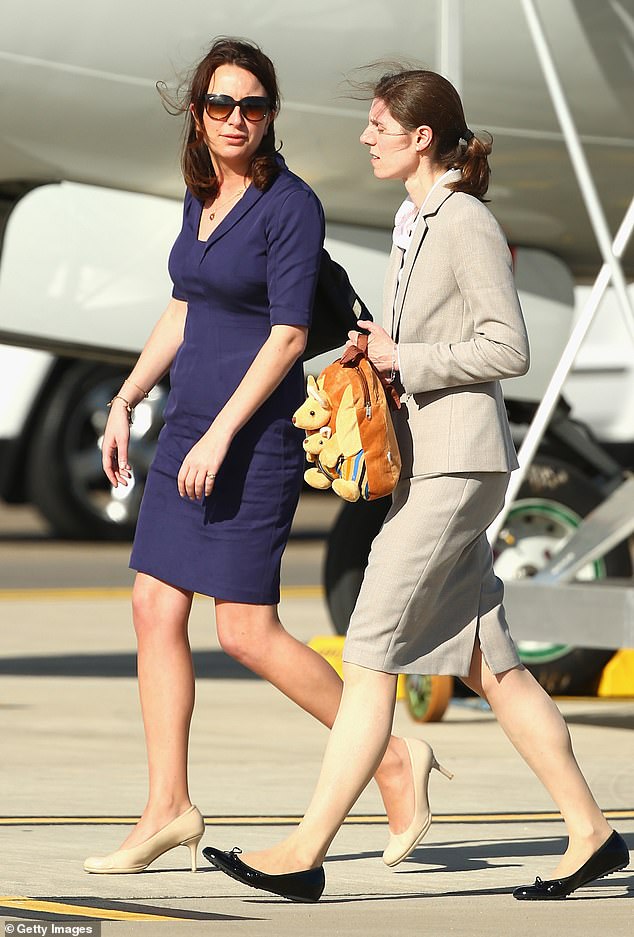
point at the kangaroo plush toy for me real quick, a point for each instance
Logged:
(336, 451)
(314, 417)
(342, 456)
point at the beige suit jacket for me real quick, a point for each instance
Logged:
(459, 326)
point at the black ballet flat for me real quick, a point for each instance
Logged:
(305, 887)
(611, 857)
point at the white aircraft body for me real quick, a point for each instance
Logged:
(78, 99)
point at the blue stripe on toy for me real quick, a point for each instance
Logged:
(358, 466)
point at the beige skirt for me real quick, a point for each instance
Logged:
(429, 590)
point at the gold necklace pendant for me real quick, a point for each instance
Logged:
(212, 214)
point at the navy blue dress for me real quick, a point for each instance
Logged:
(258, 268)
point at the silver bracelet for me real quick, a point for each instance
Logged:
(392, 376)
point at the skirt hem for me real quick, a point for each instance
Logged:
(356, 655)
(224, 595)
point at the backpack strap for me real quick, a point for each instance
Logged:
(352, 353)
(352, 356)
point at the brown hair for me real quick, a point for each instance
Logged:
(416, 97)
(196, 164)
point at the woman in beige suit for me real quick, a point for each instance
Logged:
(430, 601)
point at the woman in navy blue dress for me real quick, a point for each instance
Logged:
(224, 485)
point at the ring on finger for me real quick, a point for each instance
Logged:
(210, 475)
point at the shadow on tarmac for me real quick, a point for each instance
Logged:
(610, 720)
(207, 664)
(129, 907)
(466, 893)
(460, 857)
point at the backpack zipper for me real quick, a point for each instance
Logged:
(367, 399)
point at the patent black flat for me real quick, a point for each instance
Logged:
(305, 886)
(611, 857)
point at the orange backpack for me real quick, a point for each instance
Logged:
(350, 438)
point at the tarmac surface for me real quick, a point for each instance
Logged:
(72, 779)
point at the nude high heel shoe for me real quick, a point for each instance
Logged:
(401, 845)
(186, 830)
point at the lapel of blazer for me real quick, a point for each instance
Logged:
(391, 279)
(248, 200)
(434, 203)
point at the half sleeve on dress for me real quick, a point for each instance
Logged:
(174, 264)
(295, 239)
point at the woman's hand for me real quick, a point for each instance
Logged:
(202, 463)
(381, 348)
(114, 446)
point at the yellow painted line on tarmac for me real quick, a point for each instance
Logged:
(302, 592)
(626, 814)
(36, 906)
(94, 593)
(63, 595)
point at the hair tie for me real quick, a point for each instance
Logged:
(465, 136)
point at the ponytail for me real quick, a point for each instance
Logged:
(472, 157)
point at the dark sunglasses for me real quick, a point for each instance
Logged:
(221, 106)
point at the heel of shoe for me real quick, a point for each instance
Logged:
(193, 849)
(442, 770)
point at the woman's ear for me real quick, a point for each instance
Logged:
(424, 138)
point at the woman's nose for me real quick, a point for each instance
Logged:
(235, 117)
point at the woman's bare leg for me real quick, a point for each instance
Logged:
(359, 736)
(166, 688)
(537, 730)
(254, 635)
(357, 743)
